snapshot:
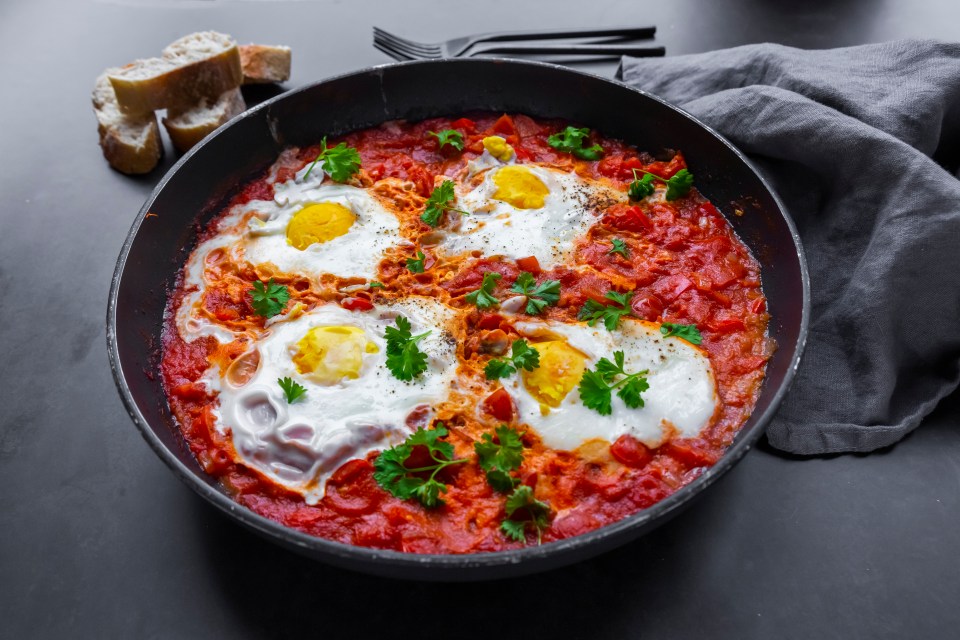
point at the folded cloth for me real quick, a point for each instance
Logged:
(848, 138)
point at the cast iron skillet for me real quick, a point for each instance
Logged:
(200, 183)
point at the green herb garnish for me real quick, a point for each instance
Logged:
(404, 358)
(538, 295)
(415, 265)
(522, 500)
(688, 332)
(522, 356)
(678, 185)
(268, 300)
(291, 389)
(619, 246)
(392, 473)
(483, 297)
(640, 188)
(571, 140)
(448, 137)
(439, 202)
(610, 313)
(340, 162)
(498, 459)
(596, 387)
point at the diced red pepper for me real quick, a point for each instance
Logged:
(356, 304)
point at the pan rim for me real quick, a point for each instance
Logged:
(364, 558)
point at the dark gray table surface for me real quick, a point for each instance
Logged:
(99, 540)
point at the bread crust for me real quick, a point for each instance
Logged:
(198, 66)
(187, 128)
(130, 143)
(263, 64)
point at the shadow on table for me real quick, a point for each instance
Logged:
(275, 589)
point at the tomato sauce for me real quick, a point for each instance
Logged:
(686, 266)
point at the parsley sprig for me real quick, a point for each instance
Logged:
(439, 202)
(538, 295)
(392, 473)
(415, 265)
(522, 356)
(268, 300)
(340, 162)
(498, 459)
(449, 137)
(610, 313)
(678, 185)
(483, 297)
(291, 390)
(688, 332)
(571, 140)
(619, 246)
(521, 502)
(404, 358)
(640, 188)
(596, 387)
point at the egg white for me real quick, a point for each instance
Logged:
(680, 402)
(300, 444)
(354, 254)
(495, 227)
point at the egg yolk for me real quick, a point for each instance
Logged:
(327, 355)
(519, 187)
(319, 223)
(560, 370)
(498, 148)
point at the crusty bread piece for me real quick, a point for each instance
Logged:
(197, 66)
(130, 143)
(187, 128)
(263, 63)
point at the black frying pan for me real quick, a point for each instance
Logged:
(203, 180)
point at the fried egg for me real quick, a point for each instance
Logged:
(352, 405)
(314, 227)
(521, 210)
(680, 401)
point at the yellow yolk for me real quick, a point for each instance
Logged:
(498, 148)
(329, 354)
(319, 223)
(560, 370)
(518, 186)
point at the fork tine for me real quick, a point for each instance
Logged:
(425, 55)
(406, 44)
(400, 46)
(410, 55)
(396, 55)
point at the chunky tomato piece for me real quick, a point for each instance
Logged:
(530, 264)
(627, 218)
(352, 490)
(631, 452)
(499, 404)
(489, 321)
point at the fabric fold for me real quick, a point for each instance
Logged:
(848, 137)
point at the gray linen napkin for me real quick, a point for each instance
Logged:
(848, 138)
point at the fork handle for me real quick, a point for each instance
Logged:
(577, 49)
(555, 34)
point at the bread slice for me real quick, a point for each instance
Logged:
(197, 66)
(187, 128)
(263, 63)
(130, 143)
